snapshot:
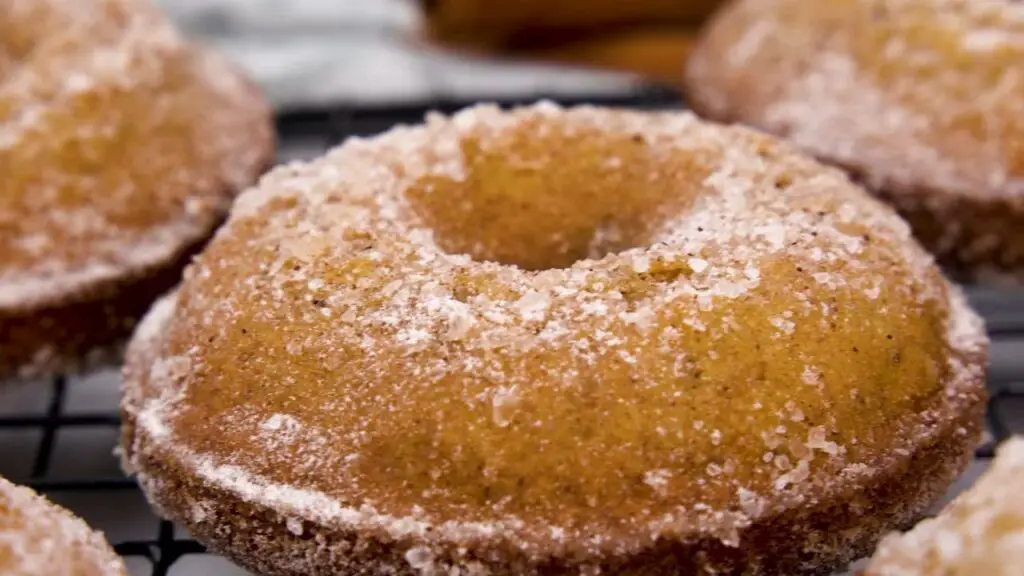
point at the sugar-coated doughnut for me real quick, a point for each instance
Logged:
(981, 532)
(37, 537)
(554, 341)
(121, 148)
(921, 99)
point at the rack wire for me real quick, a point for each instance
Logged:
(318, 131)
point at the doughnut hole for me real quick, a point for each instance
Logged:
(541, 197)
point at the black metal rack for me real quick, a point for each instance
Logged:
(1004, 311)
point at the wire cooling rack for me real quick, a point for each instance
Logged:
(311, 133)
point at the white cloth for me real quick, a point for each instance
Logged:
(330, 52)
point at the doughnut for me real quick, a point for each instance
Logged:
(981, 532)
(489, 24)
(654, 53)
(922, 100)
(121, 148)
(554, 341)
(42, 538)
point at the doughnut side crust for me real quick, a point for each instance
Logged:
(979, 533)
(270, 535)
(358, 393)
(919, 99)
(37, 537)
(121, 149)
(270, 529)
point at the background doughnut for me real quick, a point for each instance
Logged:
(923, 100)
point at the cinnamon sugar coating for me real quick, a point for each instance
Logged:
(121, 147)
(38, 537)
(550, 341)
(921, 99)
(981, 532)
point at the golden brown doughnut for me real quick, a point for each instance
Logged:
(656, 53)
(121, 148)
(651, 38)
(921, 99)
(554, 341)
(494, 24)
(39, 538)
(981, 532)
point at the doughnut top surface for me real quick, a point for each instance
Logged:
(979, 533)
(910, 93)
(37, 537)
(572, 330)
(119, 143)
